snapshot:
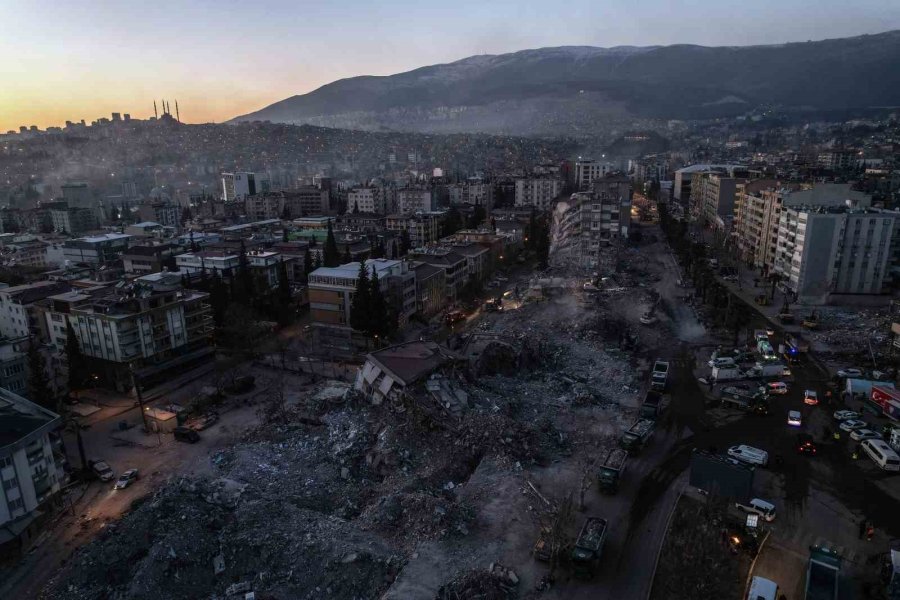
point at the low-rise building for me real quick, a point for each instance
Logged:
(141, 260)
(96, 249)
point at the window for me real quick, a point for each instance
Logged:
(17, 504)
(10, 484)
(6, 461)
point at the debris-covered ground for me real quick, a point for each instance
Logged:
(334, 497)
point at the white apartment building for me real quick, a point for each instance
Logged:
(31, 465)
(423, 228)
(366, 200)
(474, 191)
(585, 171)
(96, 249)
(17, 320)
(236, 186)
(411, 201)
(211, 261)
(540, 193)
(824, 251)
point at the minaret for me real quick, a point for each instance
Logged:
(177, 114)
(155, 114)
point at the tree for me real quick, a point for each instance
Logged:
(74, 359)
(405, 242)
(330, 254)
(356, 207)
(284, 285)
(477, 218)
(359, 306)
(39, 391)
(348, 258)
(186, 215)
(452, 222)
(307, 263)
(284, 234)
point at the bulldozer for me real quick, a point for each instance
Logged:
(812, 321)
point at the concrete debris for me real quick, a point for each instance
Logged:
(495, 583)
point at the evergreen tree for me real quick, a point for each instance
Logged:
(378, 307)
(218, 298)
(359, 306)
(318, 262)
(330, 256)
(284, 285)
(452, 222)
(185, 215)
(39, 391)
(74, 359)
(378, 250)
(356, 207)
(405, 242)
(307, 263)
(531, 232)
(194, 247)
(284, 235)
(348, 258)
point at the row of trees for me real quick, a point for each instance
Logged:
(369, 309)
(726, 311)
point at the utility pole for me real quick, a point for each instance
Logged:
(137, 389)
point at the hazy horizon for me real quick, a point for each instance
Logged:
(84, 60)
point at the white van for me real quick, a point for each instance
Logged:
(883, 455)
(749, 455)
(763, 589)
(722, 362)
(764, 509)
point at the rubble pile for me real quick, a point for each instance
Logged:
(848, 333)
(495, 583)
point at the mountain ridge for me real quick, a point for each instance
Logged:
(559, 89)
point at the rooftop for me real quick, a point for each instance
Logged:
(411, 361)
(106, 237)
(20, 417)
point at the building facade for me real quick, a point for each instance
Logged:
(540, 193)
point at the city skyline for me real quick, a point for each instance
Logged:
(225, 59)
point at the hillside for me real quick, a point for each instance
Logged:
(572, 90)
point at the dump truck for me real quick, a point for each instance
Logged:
(611, 470)
(822, 573)
(637, 436)
(722, 475)
(589, 547)
(655, 404)
(660, 375)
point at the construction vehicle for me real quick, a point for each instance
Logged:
(611, 471)
(589, 547)
(812, 321)
(660, 375)
(637, 436)
(541, 550)
(655, 404)
(822, 573)
(762, 300)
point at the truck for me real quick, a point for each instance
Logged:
(727, 373)
(744, 399)
(763, 370)
(589, 547)
(722, 475)
(822, 573)
(660, 375)
(611, 470)
(655, 404)
(637, 436)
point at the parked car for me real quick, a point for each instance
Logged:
(749, 454)
(101, 470)
(722, 362)
(864, 434)
(851, 424)
(777, 387)
(756, 506)
(843, 415)
(125, 479)
(794, 418)
(850, 373)
(806, 445)
(810, 397)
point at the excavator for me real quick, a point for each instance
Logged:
(812, 321)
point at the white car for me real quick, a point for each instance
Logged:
(864, 434)
(851, 424)
(794, 418)
(843, 415)
(810, 397)
(722, 362)
(850, 373)
(777, 387)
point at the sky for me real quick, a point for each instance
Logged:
(67, 59)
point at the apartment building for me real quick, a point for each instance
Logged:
(371, 199)
(714, 197)
(141, 260)
(306, 201)
(588, 222)
(431, 289)
(223, 263)
(684, 178)
(165, 212)
(827, 251)
(17, 315)
(72, 220)
(473, 191)
(331, 289)
(585, 170)
(454, 265)
(32, 463)
(239, 185)
(13, 368)
(151, 327)
(261, 207)
(422, 228)
(96, 249)
(413, 200)
(540, 193)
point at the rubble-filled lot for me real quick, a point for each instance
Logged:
(334, 497)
